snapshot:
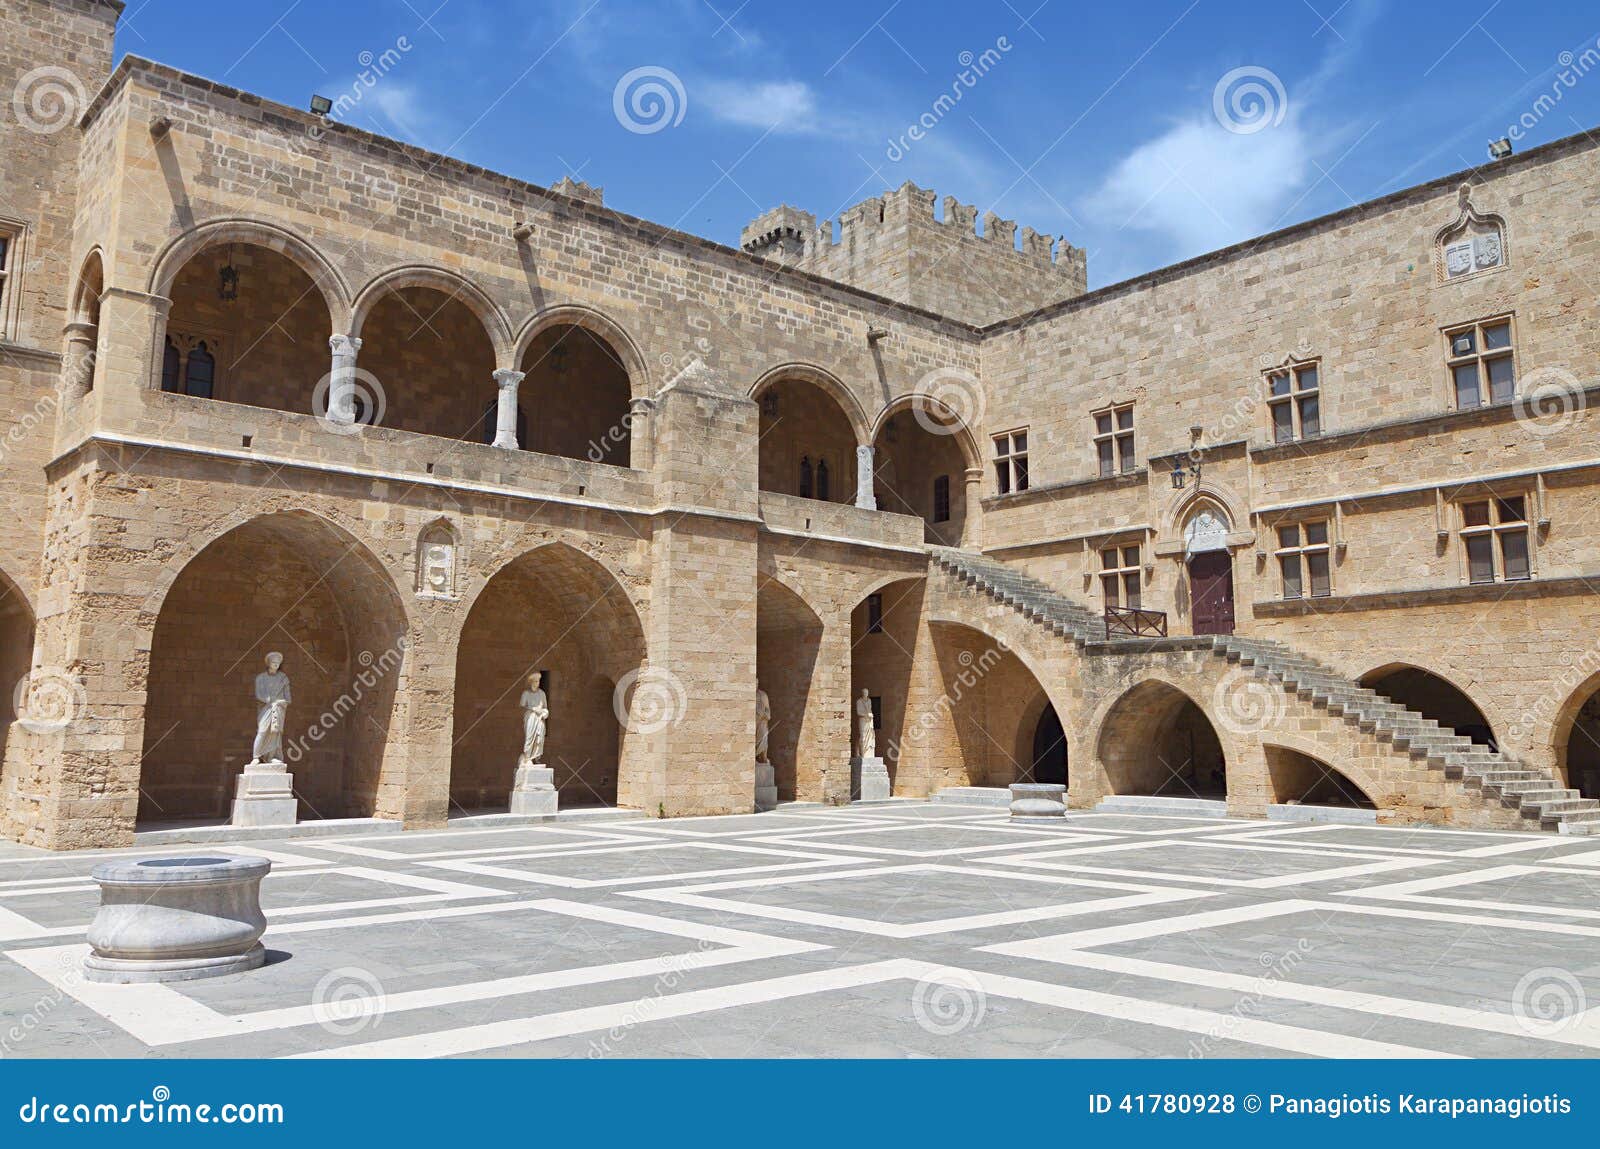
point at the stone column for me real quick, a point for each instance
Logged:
(342, 379)
(77, 371)
(505, 414)
(972, 533)
(640, 433)
(865, 499)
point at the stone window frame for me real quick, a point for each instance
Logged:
(1115, 445)
(14, 232)
(185, 340)
(1299, 552)
(1479, 357)
(1505, 515)
(1011, 470)
(1293, 398)
(1117, 574)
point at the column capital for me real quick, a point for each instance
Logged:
(344, 344)
(505, 378)
(81, 331)
(973, 474)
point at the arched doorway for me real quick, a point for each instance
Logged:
(295, 584)
(1577, 739)
(922, 454)
(885, 627)
(555, 610)
(1156, 742)
(788, 639)
(808, 444)
(1209, 570)
(1049, 748)
(575, 393)
(247, 325)
(1432, 697)
(432, 360)
(1302, 780)
(16, 653)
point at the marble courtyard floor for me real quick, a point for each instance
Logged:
(903, 930)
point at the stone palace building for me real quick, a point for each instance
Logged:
(1312, 521)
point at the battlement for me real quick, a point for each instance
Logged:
(896, 245)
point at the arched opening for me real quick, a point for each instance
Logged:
(807, 445)
(1301, 780)
(557, 611)
(1432, 697)
(1156, 742)
(16, 653)
(1577, 740)
(987, 701)
(294, 584)
(86, 313)
(1049, 748)
(575, 391)
(884, 632)
(1208, 569)
(433, 360)
(921, 467)
(788, 638)
(247, 325)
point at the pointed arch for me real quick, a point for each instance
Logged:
(16, 649)
(1433, 695)
(1299, 773)
(610, 331)
(88, 287)
(930, 405)
(1573, 737)
(451, 284)
(258, 233)
(1156, 739)
(825, 381)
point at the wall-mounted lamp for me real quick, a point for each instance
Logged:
(1180, 476)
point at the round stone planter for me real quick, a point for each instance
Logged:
(1038, 801)
(176, 919)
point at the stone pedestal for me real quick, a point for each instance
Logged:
(177, 919)
(264, 796)
(766, 787)
(871, 779)
(1038, 802)
(534, 791)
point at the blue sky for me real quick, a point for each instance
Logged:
(1107, 123)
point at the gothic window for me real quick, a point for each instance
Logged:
(805, 477)
(171, 378)
(200, 372)
(823, 492)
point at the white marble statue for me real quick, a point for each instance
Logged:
(866, 736)
(272, 693)
(763, 724)
(535, 713)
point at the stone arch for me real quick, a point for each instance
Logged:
(788, 644)
(81, 366)
(296, 583)
(1433, 695)
(1182, 506)
(932, 406)
(809, 432)
(923, 453)
(16, 650)
(445, 282)
(610, 330)
(1041, 740)
(556, 609)
(1299, 772)
(1156, 739)
(255, 233)
(88, 288)
(826, 381)
(1574, 738)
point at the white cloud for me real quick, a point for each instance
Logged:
(788, 106)
(1202, 187)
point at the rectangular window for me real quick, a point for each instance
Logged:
(1482, 363)
(1494, 534)
(1113, 441)
(941, 499)
(1294, 398)
(1119, 576)
(874, 614)
(1305, 559)
(1010, 462)
(7, 243)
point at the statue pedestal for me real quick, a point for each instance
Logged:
(871, 779)
(534, 791)
(766, 787)
(264, 796)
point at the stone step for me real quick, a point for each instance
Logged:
(1166, 807)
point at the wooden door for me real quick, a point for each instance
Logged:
(1211, 592)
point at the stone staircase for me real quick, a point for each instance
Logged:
(1535, 794)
